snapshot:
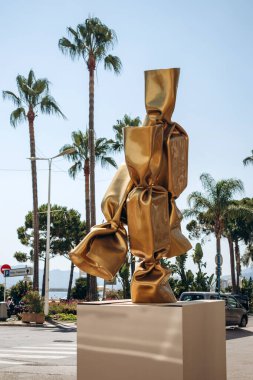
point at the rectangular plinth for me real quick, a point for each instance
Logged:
(121, 340)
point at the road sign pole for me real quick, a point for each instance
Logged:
(4, 289)
(46, 300)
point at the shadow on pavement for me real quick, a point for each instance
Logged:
(236, 332)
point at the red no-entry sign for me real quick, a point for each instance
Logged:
(5, 267)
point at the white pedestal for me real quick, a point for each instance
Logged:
(125, 341)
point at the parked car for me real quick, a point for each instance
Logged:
(236, 314)
(243, 299)
(196, 296)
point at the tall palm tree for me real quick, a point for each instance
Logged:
(118, 144)
(33, 97)
(213, 205)
(92, 41)
(248, 160)
(81, 163)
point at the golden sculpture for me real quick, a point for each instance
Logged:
(142, 196)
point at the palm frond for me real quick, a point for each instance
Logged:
(22, 85)
(107, 161)
(112, 62)
(198, 201)
(247, 258)
(75, 169)
(68, 48)
(73, 156)
(229, 187)
(208, 183)
(49, 106)
(248, 160)
(17, 116)
(13, 97)
(118, 145)
(41, 85)
(31, 78)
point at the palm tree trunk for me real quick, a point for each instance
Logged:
(43, 280)
(232, 262)
(70, 280)
(132, 258)
(87, 208)
(87, 194)
(91, 65)
(31, 117)
(218, 250)
(238, 265)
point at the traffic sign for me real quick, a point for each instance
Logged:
(5, 266)
(18, 272)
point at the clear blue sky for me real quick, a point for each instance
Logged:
(211, 41)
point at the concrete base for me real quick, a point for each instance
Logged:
(121, 340)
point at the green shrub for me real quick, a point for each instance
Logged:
(34, 302)
(67, 317)
(18, 291)
(63, 307)
(79, 292)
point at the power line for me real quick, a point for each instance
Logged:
(55, 171)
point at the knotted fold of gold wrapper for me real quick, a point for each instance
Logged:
(147, 214)
(103, 251)
(156, 174)
(147, 203)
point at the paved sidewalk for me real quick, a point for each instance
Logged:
(239, 352)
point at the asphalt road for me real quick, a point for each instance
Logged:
(37, 353)
(43, 353)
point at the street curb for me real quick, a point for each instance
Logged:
(50, 323)
(44, 325)
(61, 325)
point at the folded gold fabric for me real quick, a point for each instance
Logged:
(102, 252)
(147, 204)
(150, 284)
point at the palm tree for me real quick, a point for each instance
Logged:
(213, 206)
(33, 96)
(238, 226)
(118, 144)
(81, 163)
(248, 160)
(92, 41)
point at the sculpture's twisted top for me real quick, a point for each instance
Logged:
(160, 94)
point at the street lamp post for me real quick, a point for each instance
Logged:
(49, 160)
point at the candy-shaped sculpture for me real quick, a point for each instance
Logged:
(143, 195)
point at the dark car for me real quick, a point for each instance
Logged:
(236, 314)
(243, 299)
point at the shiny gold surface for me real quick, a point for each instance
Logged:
(143, 194)
(102, 252)
(160, 93)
